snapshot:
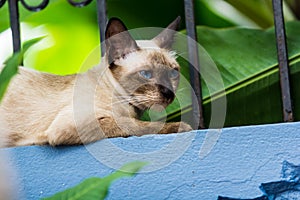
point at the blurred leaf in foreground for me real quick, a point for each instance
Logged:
(11, 66)
(97, 188)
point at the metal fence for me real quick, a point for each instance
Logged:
(197, 107)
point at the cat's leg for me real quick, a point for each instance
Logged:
(175, 127)
(62, 132)
(124, 127)
(65, 132)
(66, 129)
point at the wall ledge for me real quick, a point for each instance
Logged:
(232, 162)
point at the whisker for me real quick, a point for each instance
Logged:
(137, 100)
(181, 53)
(181, 89)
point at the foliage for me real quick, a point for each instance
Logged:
(246, 58)
(250, 13)
(97, 188)
(295, 7)
(73, 32)
(11, 66)
(247, 62)
(260, 13)
(250, 72)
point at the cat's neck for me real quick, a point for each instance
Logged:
(103, 78)
(108, 88)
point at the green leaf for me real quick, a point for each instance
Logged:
(72, 35)
(127, 170)
(207, 14)
(12, 64)
(29, 43)
(247, 62)
(97, 188)
(73, 32)
(92, 188)
(259, 11)
(10, 69)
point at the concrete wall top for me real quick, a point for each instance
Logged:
(232, 162)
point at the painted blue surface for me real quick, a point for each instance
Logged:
(241, 159)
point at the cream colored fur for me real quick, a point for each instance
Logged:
(41, 108)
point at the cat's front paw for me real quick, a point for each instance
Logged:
(175, 127)
(184, 127)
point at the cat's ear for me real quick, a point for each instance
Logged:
(166, 38)
(118, 40)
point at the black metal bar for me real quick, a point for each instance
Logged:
(102, 20)
(80, 4)
(282, 54)
(15, 19)
(2, 2)
(15, 24)
(197, 109)
(39, 7)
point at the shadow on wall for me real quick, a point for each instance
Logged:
(6, 191)
(287, 188)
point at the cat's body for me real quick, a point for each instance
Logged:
(106, 101)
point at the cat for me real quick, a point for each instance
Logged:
(106, 101)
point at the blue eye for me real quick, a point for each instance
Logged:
(146, 74)
(174, 73)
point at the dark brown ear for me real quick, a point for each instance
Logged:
(118, 45)
(166, 38)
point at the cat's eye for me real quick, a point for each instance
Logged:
(146, 74)
(174, 73)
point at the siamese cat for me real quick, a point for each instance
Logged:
(106, 101)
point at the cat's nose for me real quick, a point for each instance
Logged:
(167, 93)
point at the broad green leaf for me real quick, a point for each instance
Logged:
(24, 13)
(127, 170)
(260, 11)
(4, 23)
(97, 188)
(73, 32)
(10, 69)
(91, 188)
(207, 12)
(12, 64)
(247, 62)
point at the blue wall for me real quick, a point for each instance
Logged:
(233, 163)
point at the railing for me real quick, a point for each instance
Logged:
(282, 54)
(197, 107)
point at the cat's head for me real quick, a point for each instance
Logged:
(146, 70)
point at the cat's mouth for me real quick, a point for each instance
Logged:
(149, 96)
(158, 104)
